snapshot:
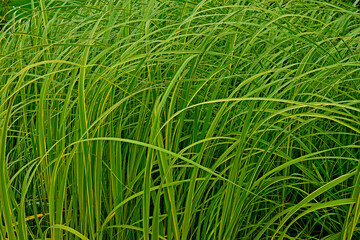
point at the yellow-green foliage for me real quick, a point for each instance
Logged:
(177, 119)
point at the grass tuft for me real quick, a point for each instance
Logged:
(171, 119)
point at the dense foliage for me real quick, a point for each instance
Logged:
(177, 119)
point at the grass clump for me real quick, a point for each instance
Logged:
(170, 119)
